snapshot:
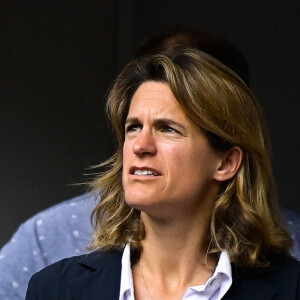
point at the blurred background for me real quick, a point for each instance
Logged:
(58, 59)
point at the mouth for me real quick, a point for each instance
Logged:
(144, 171)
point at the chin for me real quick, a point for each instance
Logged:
(140, 201)
(137, 203)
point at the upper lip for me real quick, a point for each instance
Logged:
(134, 168)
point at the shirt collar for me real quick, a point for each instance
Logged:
(219, 283)
(224, 269)
(221, 279)
(126, 275)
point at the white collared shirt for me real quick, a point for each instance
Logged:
(214, 288)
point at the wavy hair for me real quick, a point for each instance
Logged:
(245, 219)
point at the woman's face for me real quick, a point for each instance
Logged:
(168, 164)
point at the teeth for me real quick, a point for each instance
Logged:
(144, 172)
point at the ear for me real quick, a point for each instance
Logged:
(230, 164)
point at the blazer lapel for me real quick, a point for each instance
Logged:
(101, 276)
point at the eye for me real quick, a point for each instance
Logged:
(169, 129)
(133, 128)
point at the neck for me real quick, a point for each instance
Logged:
(182, 232)
(174, 257)
(174, 251)
(176, 243)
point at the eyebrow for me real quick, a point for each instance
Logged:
(160, 121)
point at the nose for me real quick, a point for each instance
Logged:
(144, 144)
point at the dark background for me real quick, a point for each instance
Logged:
(58, 58)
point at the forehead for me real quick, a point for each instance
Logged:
(155, 98)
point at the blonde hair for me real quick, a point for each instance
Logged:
(245, 219)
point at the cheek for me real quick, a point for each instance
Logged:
(126, 162)
(127, 151)
(178, 161)
(189, 164)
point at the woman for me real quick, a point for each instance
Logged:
(188, 205)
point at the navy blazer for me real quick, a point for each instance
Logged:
(96, 276)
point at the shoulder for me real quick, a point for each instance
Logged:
(76, 275)
(281, 278)
(48, 283)
(280, 269)
(57, 271)
(80, 205)
(38, 233)
(74, 266)
(58, 214)
(68, 222)
(68, 218)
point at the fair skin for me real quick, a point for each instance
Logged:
(172, 175)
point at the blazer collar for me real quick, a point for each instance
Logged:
(100, 278)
